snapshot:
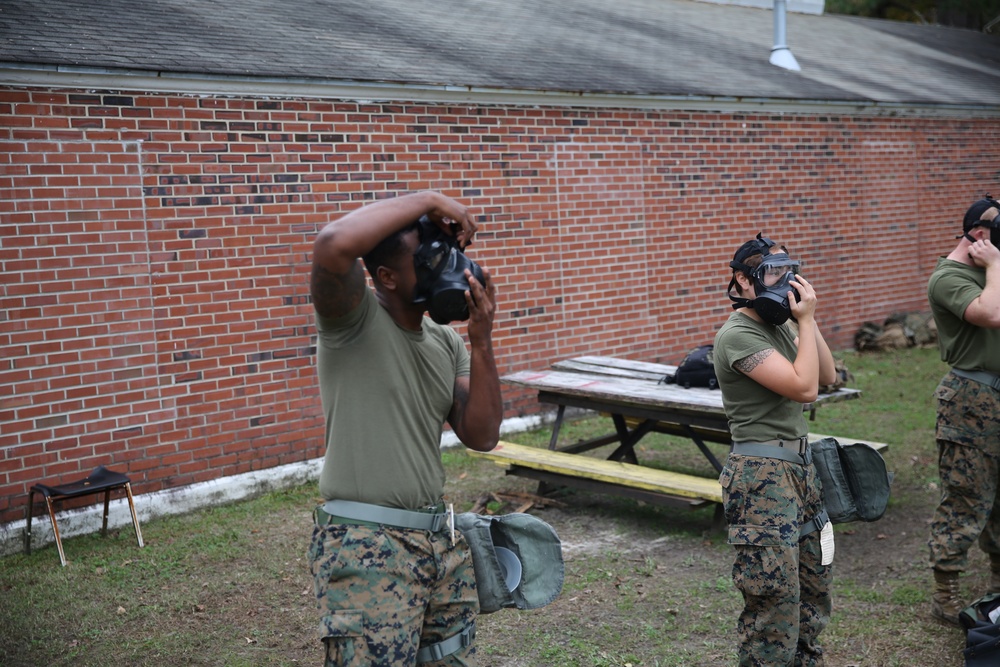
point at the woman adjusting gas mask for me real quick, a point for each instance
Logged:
(440, 265)
(771, 280)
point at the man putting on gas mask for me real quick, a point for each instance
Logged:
(772, 495)
(394, 581)
(441, 264)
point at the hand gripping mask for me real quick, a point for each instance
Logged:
(973, 218)
(440, 265)
(771, 280)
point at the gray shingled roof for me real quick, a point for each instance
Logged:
(632, 47)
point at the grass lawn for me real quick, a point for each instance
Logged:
(644, 585)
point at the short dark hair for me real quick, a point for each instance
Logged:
(389, 251)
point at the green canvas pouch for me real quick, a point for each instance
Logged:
(534, 544)
(856, 484)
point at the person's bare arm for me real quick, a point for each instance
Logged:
(477, 407)
(797, 380)
(984, 311)
(827, 365)
(338, 280)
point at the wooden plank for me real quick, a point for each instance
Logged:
(612, 472)
(653, 497)
(631, 368)
(844, 440)
(581, 366)
(617, 390)
(648, 367)
(723, 437)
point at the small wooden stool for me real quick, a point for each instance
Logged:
(101, 479)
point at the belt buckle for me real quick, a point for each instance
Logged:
(802, 444)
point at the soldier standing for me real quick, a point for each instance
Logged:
(964, 294)
(772, 495)
(396, 587)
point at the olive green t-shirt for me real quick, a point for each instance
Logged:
(386, 394)
(951, 288)
(755, 412)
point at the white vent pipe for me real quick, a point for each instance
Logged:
(781, 55)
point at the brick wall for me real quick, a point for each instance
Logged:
(154, 308)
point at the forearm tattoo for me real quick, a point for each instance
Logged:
(458, 404)
(747, 364)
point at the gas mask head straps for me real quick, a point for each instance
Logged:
(974, 218)
(761, 245)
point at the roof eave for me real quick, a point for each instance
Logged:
(66, 76)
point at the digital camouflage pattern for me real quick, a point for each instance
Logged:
(382, 591)
(968, 437)
(786, 592)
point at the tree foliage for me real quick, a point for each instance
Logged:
(973, 14)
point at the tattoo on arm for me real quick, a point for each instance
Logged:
(747, 364)
(458, 403)
(335, 294)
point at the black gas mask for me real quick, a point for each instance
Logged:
(771, 280)
(973, 218)
(441, 283)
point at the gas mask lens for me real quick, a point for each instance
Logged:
(776, 270)
(772, 280)
(432, 256)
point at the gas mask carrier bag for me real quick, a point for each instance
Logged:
(855, 480)
(527, 538)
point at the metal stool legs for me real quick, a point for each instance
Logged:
(100, 480)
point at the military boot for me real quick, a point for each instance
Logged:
(994, 573)
(945, 603)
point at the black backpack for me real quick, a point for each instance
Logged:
(982, 633)
(696, 370)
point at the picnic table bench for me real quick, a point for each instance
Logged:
(632, 393)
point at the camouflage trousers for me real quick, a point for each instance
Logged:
(383, 592)
(786, 591)
(968, 438)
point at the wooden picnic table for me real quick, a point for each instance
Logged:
(639, 402)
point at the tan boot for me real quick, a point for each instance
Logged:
(945, 603)
(994, 574)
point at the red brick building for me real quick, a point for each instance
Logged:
(156, 231)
